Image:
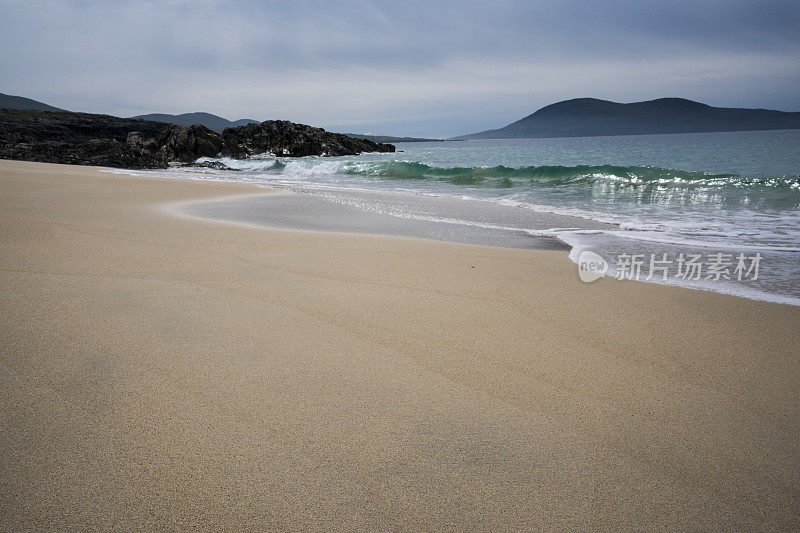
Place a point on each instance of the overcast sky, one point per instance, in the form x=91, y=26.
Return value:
x=406, y=67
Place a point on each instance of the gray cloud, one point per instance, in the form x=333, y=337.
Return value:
x=417, y=68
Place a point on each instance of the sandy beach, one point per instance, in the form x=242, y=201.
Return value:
x=166, y=372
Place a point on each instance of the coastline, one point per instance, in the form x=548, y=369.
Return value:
x=286, y=210
x=473, y=196
x=290, y=211
x=162, y=371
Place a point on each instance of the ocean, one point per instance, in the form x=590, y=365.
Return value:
x=711, y=211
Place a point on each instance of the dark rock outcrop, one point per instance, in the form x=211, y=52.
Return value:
x=287, y=139
x=87, y=139
x=79, y=139
x=188, y=143
x=216, y=165
x=94, y=152
x=74, y=128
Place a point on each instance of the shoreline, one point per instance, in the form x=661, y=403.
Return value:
x=483, y=221
x=287, y=210
x=162, y=371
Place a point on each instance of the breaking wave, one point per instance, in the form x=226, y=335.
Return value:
x=508, y=177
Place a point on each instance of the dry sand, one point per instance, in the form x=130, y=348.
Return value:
x=160, y=372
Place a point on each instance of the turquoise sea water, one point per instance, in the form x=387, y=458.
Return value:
x=734, y=193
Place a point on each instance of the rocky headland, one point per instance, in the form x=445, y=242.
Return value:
x=103, y=140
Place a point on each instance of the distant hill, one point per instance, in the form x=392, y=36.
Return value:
x=212, y=122
x=587, y=117
x=21, y=103
x=391, y=139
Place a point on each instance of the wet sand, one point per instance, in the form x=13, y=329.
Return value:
x=294, y=211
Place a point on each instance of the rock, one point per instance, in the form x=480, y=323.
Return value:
x=86, y=139
x=136, y=142
x=64, y=126
x=283, y=138
x=188, y=143
x=216, y=165
x=95, y=152
x=79, y=139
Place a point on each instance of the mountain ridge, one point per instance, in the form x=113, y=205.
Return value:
x=209, y=120
x=588, y=117
x=392, y=138
x=20, y=103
